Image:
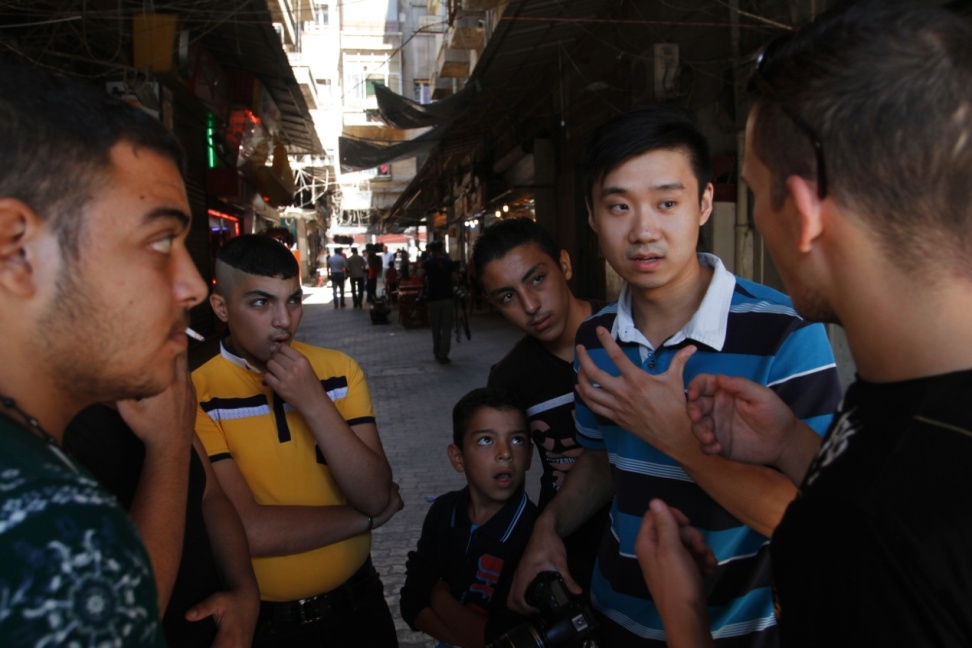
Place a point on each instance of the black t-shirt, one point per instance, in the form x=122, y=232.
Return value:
x=103, y=443
x=544, y=385
x=438, y=277
x=877, y=548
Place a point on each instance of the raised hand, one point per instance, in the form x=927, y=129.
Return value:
x=291, y=376
x=165, y=420
x=652, y=407
x=673, y=556
x=747, y=422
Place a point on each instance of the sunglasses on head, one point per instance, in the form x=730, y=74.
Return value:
x=759, y=82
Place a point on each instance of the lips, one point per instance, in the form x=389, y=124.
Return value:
x=541, y=323
x=642, y=255
x=646, y=262
x=278, y=341
x=503, y=479
x=178, y=333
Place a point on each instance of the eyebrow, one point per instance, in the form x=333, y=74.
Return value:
x=258, y=293
x=161, y=213
x=265, y=295
x=526, y=275
x=668, y=186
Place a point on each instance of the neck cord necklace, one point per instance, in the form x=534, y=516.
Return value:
x=34, y=426
x=32, y=423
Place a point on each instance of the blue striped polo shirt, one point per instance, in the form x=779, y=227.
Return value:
x=743, y=329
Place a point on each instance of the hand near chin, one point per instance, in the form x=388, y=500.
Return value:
x=291, y=376
x=166, y=419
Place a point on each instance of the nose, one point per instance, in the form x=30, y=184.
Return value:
x=645, y=226
x=281, y=315
x=187, y=285
x=503, y=451
x=530, y=303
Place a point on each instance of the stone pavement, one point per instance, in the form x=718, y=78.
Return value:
x=413, y=398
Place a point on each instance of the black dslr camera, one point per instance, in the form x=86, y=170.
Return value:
x=563, y=620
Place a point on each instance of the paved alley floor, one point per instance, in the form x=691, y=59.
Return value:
x=413, y=398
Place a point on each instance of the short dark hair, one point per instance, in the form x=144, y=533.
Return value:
x=259, y=255
x=499, y=238
x=56, y=137
x=659, y=127
x=435, y=246
x=491, y=397
x=887, y=88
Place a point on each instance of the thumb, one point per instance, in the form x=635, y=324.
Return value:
x=201, y=610
x=572, y=586
x=666, y=526
x=677, y=368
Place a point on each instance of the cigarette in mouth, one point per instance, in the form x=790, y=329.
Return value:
x=194, y=335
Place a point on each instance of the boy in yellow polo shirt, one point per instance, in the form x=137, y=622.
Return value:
x=291, y=432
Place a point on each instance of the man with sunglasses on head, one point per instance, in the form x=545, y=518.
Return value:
x=680, y=313
x=859, y=146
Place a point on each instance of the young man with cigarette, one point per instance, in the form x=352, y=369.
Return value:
x=95, y=287
x=291, y=433
x=860, y=205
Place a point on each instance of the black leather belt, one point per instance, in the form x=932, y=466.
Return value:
x=322, y=606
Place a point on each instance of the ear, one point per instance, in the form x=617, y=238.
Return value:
x=218, y=302
x=565, y=264
x=20, y=228
x=529, y=457
x=809, y=209
x=590, y=216
x=705, y=204
x=455, y=458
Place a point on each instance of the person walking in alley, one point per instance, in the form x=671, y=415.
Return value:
x=337, y=270
x=357, y=268
x=439, y=275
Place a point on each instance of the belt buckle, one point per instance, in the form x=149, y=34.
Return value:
x=305, y=615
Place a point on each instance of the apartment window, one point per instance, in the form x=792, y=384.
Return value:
x=321, y=16
x=370, y=83
x=363, y=71
x=421, y=92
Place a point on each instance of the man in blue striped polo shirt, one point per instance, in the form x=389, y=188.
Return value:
x=680, y=313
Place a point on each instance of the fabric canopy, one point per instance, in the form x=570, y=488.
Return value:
x=357, y=154
x=400, y=112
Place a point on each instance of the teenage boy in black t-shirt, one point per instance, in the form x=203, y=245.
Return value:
x=524, y=275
